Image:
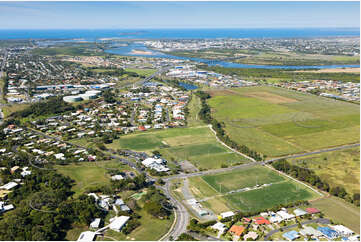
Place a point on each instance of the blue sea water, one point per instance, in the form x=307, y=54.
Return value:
x=178, y=33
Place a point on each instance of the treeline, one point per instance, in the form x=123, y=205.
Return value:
x=45, y=210
x=5, y=86
x=53, y=105
x=309, y=176
x=110, y=71
x=205, y=115
x=261, y=74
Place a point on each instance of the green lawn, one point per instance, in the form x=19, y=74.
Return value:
x=337, y=168
x=276, y=122
x=89, y=174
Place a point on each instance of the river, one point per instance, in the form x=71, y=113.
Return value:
x=127, y=51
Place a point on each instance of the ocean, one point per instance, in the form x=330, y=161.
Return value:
x=89, y=34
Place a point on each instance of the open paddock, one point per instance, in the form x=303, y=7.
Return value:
x=277, y=122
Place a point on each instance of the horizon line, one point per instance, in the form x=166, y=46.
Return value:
x=184, y=28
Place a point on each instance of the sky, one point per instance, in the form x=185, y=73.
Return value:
x=144, y=15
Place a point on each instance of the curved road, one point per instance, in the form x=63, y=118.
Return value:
x=181, y=216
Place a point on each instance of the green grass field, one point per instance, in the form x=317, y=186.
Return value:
x=337, y=168
x=215, y=190
x=276, y=122
x=340, y=211
x=267, y=197
x=241, y=178
x=195, y=144
x=88, y=174
x=142, y=72
x=194, y=107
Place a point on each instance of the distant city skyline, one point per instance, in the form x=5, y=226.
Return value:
x=153, y=15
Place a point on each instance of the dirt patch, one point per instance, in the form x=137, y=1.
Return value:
x=270, y=97
x=187, y=166
x=195, y=191
x=335, y=70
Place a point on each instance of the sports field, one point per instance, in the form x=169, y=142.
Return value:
x=219, y=191
x=195, y=144
x=337, y=168
x=276, y=122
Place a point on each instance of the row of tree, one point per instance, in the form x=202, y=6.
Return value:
x=205, y=115
x=261, y=74
x=310, y=177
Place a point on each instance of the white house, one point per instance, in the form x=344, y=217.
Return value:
x=219, y=226
x=117, y=223
x=9, y=186
x=117, y=177
x=227, y=214
x=342, y=230
x=284, y=215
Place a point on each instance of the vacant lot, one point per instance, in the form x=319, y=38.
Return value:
x=214, y=190
x=276, y=122
x=87, y=174
x=340, y=212
x=195, y=144
x=337, y=168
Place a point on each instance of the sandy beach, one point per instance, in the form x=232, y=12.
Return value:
x=141, y=52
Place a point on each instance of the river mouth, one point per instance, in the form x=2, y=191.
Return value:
x=140, y=50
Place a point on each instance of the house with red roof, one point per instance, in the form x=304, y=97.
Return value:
x=247, y=220
x=261, y=220
x=312, y=210
x=142, y=128
x=236, y=230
